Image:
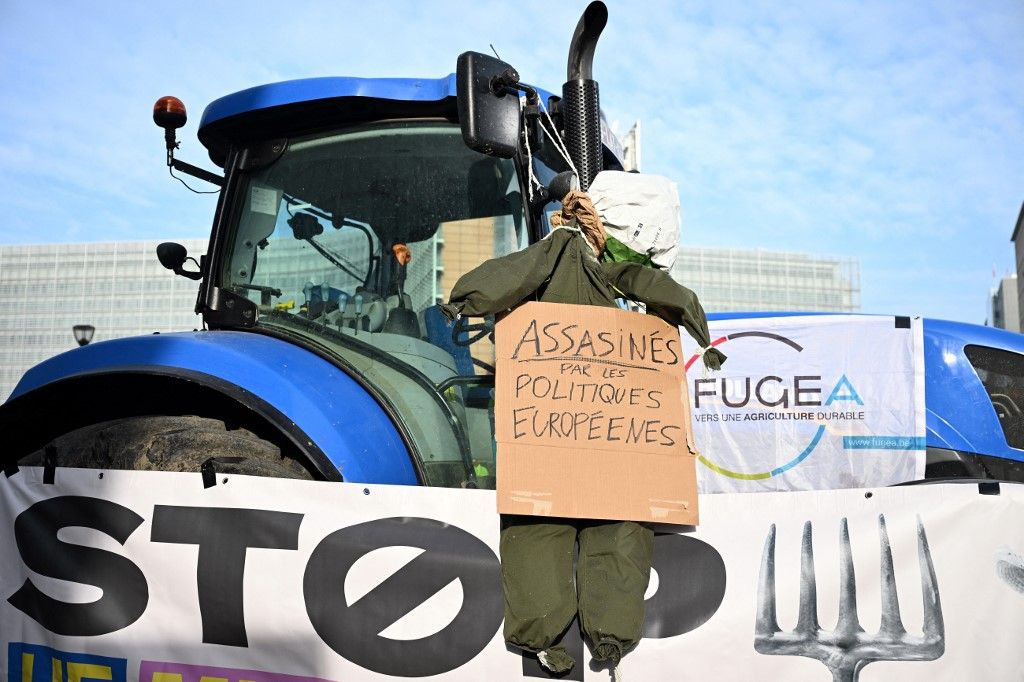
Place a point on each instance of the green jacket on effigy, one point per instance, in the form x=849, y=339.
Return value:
x=563, y=269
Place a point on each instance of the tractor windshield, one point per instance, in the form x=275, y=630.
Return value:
x=351, y=239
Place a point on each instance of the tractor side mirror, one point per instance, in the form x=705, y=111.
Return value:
x=488, y=107
x=173, y=256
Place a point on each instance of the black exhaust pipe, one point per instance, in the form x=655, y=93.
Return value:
x=581, y=105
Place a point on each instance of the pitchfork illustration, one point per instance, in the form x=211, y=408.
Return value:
x=847, y=649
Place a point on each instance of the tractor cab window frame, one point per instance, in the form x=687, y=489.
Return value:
x=1001, y=372
x=315, y=242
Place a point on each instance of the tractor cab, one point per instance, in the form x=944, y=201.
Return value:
x=350, y=207
x=346, y=242
x=346, y=220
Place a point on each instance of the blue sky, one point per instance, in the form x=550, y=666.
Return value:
x=890, y=132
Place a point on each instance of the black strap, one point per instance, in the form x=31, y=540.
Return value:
x=209, y=470
x=49, y=464
x=988, y=488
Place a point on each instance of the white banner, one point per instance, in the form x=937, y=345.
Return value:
x=810, y=403
x=141, y=575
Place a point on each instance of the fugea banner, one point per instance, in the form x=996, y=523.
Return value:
x=810, y=403
x=149, y=576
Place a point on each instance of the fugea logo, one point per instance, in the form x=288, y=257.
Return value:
x=773, y=391
x=771, y=397
x=769, y=390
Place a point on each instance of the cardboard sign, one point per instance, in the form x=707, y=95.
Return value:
x=592, y=418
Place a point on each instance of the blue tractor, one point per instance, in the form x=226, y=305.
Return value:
x=348, y=207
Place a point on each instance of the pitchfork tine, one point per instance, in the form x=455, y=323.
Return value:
x=848, y=624
x=934, y=628
x=767, y=623
x=847, y=649
x=807, y=621
x=892, y=624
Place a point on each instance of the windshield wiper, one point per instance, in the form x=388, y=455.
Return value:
x=335, y=259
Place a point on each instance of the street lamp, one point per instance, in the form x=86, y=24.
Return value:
x=83, y=333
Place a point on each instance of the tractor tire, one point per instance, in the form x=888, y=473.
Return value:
x=162, y=443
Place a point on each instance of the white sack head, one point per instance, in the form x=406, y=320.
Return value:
x=640, y=211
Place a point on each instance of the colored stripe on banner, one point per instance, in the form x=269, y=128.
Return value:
x=766, y=474
x=153, y=671
x=37, y=663
x=883, y=443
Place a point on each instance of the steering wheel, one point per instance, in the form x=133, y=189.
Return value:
x=474, y=332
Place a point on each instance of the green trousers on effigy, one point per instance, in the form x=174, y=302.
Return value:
x=542, y=597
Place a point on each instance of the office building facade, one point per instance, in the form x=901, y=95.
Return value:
x=122, y=290
x=1018, y=244
x=729, y=280
x=1004, y=309
x=117, y=287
